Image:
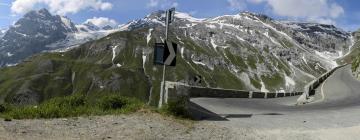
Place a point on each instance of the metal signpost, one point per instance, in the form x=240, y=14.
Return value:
x=165, y=53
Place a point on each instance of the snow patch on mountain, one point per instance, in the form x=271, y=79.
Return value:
x=289, y=81
x=182, y=50
x=188, y=17
x=352, y=40
x=329, y=58
x=246, y=79
x=263, y=87
x=113, y=53
x=2, y=32
x=144, y=60
x=210, y=26
x=9, y=54
x=148, y=38
x=213, y=44
x=67, y=22
x=118, y=65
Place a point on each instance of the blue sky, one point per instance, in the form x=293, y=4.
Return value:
x=342, y=13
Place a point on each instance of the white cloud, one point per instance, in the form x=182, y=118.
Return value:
x=61, y=7
x=324, y=11
x=102, y=21
x=162, y=4
x=153, y=3
x=237, y=4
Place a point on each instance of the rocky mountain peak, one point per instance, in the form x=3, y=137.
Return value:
x=42, y=13
x=32, y=33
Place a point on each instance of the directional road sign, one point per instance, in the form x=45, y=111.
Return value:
x=170, y=54
x=165, y=53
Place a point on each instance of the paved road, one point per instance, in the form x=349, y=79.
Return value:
x=339, y=107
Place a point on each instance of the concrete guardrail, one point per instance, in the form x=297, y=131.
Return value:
x=175, y=89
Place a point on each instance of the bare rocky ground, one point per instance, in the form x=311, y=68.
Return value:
x=152, y=126
x=134, y=126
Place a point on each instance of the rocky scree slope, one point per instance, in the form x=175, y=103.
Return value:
x=245, y=51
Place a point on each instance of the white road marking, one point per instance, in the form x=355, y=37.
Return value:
x=322, y=91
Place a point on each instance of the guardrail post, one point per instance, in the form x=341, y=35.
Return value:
x=250, y=94
x=265, y=95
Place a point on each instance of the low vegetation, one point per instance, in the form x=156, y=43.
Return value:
x=80, y=105
x=73, y=106
x=176, y=108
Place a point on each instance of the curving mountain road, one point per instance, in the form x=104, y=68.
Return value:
x=336, y=105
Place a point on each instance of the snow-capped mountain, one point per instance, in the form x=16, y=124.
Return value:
x=40, y=31
x=262, y=53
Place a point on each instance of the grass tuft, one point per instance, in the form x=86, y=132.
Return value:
x=73, y=106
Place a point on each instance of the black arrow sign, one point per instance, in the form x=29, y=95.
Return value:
x=197, y=79
x=170, y=54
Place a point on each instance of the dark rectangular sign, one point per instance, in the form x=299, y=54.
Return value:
x=159, y=53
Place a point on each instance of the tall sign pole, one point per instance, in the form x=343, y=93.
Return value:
x=169, y=18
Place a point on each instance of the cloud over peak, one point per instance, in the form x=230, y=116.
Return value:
x=162, y=4
x=102, y=21
x=61, y=7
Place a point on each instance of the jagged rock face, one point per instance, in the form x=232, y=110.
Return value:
x=31, y=33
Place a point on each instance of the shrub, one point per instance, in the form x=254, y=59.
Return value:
x=113, y=102
x=2, y=108
x=177, y=107
x=7, y=118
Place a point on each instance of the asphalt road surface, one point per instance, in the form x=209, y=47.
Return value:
x=336, y=105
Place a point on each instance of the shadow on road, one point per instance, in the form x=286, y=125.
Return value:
x=237, y=115
x=199, y=113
